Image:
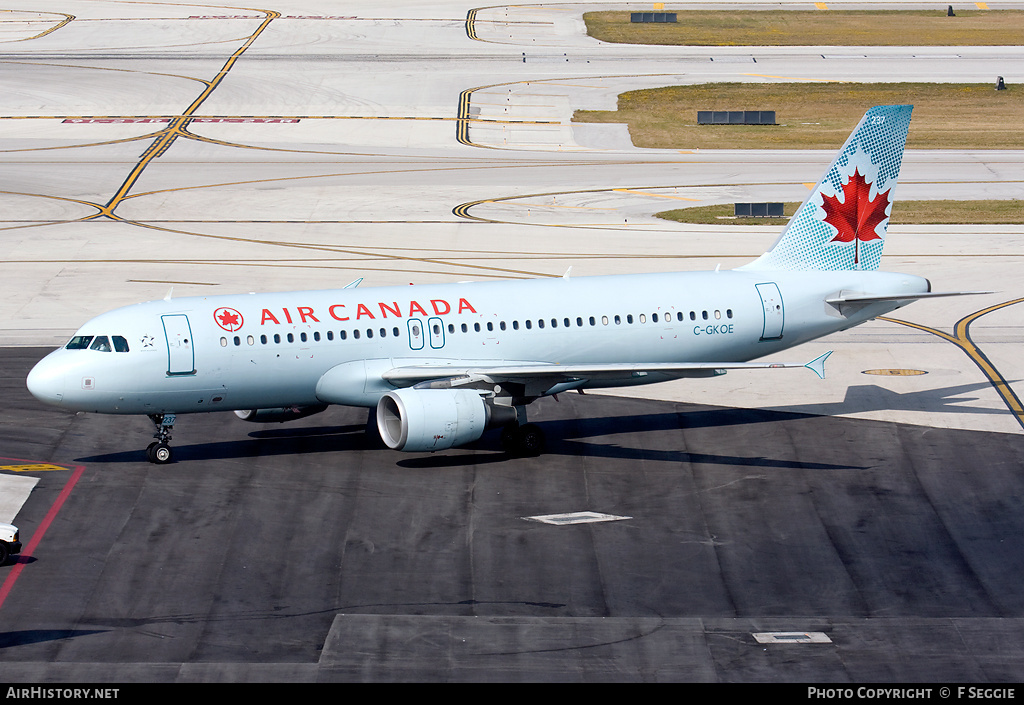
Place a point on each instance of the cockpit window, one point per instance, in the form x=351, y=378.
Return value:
x=101, y=343
x=79, y=342
x=120, y=344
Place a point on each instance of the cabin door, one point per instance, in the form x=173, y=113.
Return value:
x=180, y=356
x=415, y=334
x=774, y=314
x=436, y=332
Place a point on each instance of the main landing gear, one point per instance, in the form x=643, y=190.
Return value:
x=159, y=452
x=526, y=441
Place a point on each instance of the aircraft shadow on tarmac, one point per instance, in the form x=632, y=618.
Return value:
x=871, y=397
x=564, y=436
x=563, y=439
x=37, y=636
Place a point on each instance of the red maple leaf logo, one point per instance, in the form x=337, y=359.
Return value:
x=857, y=216
x=228, y=318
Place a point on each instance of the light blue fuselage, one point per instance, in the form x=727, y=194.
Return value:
x=252, y=351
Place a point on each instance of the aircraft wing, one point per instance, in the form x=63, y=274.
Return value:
x=544, y=376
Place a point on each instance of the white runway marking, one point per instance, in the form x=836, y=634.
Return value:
x=792, y=638
x=575, y=518
x=14, y=492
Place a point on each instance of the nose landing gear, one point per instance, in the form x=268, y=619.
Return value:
x=159, y=451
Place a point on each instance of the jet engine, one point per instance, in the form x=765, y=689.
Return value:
x=417, y=420
x=280, y=414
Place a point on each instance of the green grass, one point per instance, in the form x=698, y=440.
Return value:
x=816, y=28
x=814, y=115
x=989, y=212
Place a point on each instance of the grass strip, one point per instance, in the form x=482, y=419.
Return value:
x=815, y=28
x=818, y=115
x=983, y=212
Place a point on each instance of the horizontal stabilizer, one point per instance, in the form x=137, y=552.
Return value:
x=872, y=298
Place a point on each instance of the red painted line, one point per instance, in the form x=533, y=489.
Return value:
x=22, y=559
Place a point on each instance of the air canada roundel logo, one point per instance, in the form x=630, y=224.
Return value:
x=228, y=318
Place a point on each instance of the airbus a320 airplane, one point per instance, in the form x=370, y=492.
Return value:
x=442, y=363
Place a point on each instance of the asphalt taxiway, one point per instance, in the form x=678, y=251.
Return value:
x=865, y=551
x=748, y=528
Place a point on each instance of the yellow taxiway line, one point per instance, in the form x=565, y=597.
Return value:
x=961, y=337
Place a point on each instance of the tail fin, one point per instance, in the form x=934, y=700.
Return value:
x=842, y=223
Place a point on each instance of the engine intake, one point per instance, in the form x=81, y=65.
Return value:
x=416, y=420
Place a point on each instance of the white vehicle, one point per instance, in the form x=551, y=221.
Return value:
x=442, y=363
x=10, y=543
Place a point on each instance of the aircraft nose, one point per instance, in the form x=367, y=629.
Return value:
x=46, y=381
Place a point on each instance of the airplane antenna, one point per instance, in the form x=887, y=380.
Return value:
x=169, y=292
x=566, y=275
x=354, y=284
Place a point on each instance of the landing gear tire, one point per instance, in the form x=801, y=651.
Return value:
x=526, y=441
x=159, y=453
x=531, y=440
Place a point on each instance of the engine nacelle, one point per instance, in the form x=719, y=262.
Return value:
x=418, y=420
x=281, y=414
